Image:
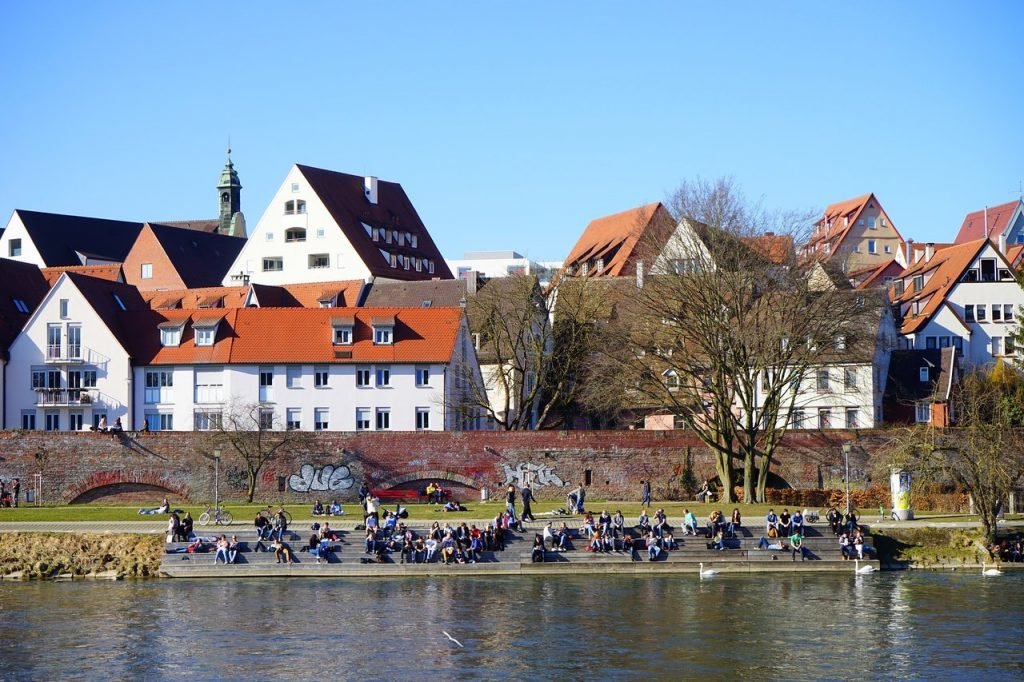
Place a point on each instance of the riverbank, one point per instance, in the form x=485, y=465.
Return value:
x=38, y=556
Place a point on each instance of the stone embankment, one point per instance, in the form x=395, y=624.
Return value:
x=33, y=556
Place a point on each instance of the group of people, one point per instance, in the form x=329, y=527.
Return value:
x=1009, y=550
x=784, y=524
x=116, y=427
x=179, y=528
x=852, y=545
x=9, y=496
x=333, y=510
x=463, y=544
x=840, y=523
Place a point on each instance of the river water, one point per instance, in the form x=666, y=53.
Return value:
x=917, y=625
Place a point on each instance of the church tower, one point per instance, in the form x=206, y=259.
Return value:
x=230, y=192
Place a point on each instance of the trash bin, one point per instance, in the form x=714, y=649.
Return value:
x=484, y=495
x=30, y=495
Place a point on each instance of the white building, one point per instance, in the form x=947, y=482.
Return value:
x=492, y=264
x=323, y=226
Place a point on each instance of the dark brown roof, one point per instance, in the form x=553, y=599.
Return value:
x=211, y=225
x=201, y=259
x=60, y=238
x=904, y=383
x=107, y=299
x=23, y=282
x=343, y=196
x=437, y=293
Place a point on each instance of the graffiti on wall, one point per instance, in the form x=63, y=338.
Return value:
x=321, y=479
x=537, y=475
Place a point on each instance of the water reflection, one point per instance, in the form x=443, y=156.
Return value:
x=881, y=626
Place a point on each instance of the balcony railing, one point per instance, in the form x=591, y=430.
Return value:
x=65, y=397
x=62, y=353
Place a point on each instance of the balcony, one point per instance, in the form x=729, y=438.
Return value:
x=66, y=397
x=60, y=354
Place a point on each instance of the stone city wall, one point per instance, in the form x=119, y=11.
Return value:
x=84, y=467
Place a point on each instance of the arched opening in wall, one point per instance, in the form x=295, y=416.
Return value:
x=462, y=487
x=125, y=493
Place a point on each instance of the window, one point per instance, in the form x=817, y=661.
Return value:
x=944, y=342
x=321, y=417
x=997, y=312
x=887, y=248
x=422, y=418
x=159, y=386
x=15, y=248
x=38, y=378
x=343, y=336
x=1007, y=313
x=320, y=232
x=824, y=418
x=1010, y=347
x=850, y=379
x=20, y=305
x=362, y=376
x=294, y=419
x=785, y=344
x=930, y=342
x=918, y=282
x=320, y=375
x=119, y=302
x=362, y=418
x=797, y=420
x=52, y=421
x=958, y=343
x=384, y=375
x=412, y=241
x=295, y=187
x=922, y=374
x=293, y=378
x=273, y=264
x=997, y=345
x=266, y=377
x=53, y=341
x=156, y=421
x=63, y=308
x=170, y=336
x=209, y=384
x=671, y=381
x=88, y=378
x=980, y=312
x=430, y=266
x=822, y=379
x=988, y=269
x=969, y=313
x=295, y=234
x=206, y=420
x=383, y=418
x=75, y=341
x=422, y=376
x=840, y=343
x=28, y=420
x=270, y=236
x=923, y=412
x=319, y=260
x=872, y=246
x=812, y=345
x=205, y=335
x=266, y=420
x=147, y=271
x=852, y=418
x=382, y=336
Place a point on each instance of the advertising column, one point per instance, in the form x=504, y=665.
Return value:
x=899, y=482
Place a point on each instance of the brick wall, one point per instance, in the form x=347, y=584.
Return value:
x=87, y=465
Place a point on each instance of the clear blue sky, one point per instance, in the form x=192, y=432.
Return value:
x=512, y=125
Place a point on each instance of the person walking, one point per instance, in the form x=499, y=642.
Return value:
x=17, y=490
x=645, y=493
x=510, y=502
x=527, y=495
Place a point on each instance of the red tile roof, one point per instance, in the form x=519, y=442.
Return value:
x=108, y=272
x=230, y=297
x=973, y=226
x=837, y=220
x=298, y=335
x=614, y=239
x=778, y=248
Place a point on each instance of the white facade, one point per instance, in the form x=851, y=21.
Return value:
x=296, y=240
x=493, y=264
x=66, y=368
x=978, y=316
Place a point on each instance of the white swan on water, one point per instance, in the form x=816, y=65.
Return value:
x=857, y=568
x=989, y=571
x=710, y=573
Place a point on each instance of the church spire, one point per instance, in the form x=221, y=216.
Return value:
x=230, y=192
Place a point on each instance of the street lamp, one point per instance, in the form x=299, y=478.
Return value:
x=216, y=479
x=846, y=454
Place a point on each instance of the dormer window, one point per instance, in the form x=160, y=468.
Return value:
x=383, y=331
x=343, y=330
x=20, y=305
x=840, y=343
x=170, y=334
x=119, y=302
x=295, y=234
x=923, y=374
x=412, y=241
x=293, y=207
x=205, y=330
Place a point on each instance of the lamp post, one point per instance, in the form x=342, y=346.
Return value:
x=846, y=454
x=216, y=478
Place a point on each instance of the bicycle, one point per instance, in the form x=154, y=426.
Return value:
x=220, y=516
x=269, y=514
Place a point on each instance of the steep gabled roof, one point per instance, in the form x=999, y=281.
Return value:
x=614, y=239
x=60, y=238
x=292, y=335
x=837, y=220
x=904, y=383
x=109, y=272
x=344, y=197
x=998, y=217
x=778, y=248
x=943, y=271
x=309, y=295
x=109, y=300
x=448, y=293
x=874, y=276
x=23, y=284
x=201, y=259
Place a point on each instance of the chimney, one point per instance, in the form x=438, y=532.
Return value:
x=986, y=222
x=370, y=189
x=1002, y=243
x=639, y=274
x=910, y=252
x=929, y=251
x=471, y=282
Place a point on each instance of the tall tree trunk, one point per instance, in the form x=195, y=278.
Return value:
x=723, y=464
x=762, y=477
x=748, y=477
x=251, y=488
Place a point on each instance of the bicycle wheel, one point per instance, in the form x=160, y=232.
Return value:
x=288, y=517
x=204, y=518
x=225, y=518
x=267, y=514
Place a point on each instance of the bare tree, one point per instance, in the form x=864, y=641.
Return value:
x=983, y=453
x=256, y=437
x=529, y=362
x=725, y=330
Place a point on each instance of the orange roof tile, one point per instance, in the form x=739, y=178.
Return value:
x=614, y=239
x=310, y=295
x=231, y=297
x=111, y=273
x=778, y=248
x=974, y=223
x=837, y=220
x=944, y=271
